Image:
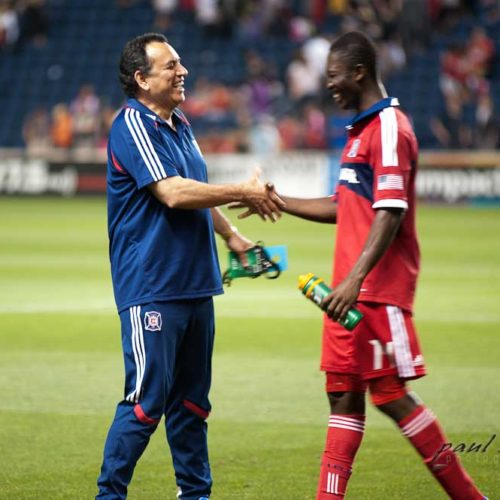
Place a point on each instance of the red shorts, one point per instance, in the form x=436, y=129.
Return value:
x=384, y=343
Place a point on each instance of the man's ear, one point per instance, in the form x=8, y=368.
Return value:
x=359, y=72
x=141, y=81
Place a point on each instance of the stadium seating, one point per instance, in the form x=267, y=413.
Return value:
x=86, y=37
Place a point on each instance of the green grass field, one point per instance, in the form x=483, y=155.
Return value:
x=61, y=365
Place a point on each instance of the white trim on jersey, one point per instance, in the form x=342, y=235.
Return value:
x=139, y=144
x=390, y=203
x=399, y=334
x=419, y=423
x=389, y=137
x=143, y=144
x=163, y=174
x=137, y=342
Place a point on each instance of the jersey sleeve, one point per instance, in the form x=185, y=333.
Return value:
x=141, y=150
x=391, y=158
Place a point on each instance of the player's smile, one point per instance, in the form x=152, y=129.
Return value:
x=337, y=96
x=341, y=98
x=179, y=86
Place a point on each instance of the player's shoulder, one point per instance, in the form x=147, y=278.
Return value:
x=392, y=120
x=404, y=123
x=133, y=121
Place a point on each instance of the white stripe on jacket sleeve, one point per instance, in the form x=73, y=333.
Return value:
x=149, y=144
x=141, y=145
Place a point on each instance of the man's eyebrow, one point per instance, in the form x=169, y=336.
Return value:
x=174, y=60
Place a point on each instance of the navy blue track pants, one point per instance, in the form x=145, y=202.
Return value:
x=167, y=349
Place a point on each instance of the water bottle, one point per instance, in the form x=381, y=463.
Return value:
x=316, y=289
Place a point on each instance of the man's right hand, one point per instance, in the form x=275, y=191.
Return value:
x=260, y=199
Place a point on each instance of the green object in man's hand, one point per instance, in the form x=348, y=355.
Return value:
x=259, y=262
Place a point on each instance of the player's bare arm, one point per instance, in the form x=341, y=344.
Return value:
x=381, y=235
x=235, y=241
x=313, y=209
x=178, y=192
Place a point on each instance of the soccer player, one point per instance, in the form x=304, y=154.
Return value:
x=161, y=222
x=376, y=266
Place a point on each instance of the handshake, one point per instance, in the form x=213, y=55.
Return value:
x=259, y=198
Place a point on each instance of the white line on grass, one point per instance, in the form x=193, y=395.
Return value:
x=241, y=311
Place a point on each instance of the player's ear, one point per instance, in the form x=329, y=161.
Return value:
x=141, y=81
x=359, y=72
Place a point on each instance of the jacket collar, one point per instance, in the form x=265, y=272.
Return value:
x=376, y=108
x=135, y=104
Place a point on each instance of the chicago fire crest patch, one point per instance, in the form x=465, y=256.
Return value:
x=152, y=321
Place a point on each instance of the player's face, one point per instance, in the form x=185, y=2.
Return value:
x=166, y=77
x=342, y=82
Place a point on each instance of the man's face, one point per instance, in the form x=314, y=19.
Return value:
x=342, y=82
x=166, y=76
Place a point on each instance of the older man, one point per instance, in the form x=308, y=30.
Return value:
x=164, y=265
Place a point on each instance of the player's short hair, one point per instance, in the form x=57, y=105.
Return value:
x=357, y=48
x=134, y=58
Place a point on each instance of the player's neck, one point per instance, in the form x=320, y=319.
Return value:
x=372, y=94
x=164, y=112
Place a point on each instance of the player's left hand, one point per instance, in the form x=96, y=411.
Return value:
x=239, y=244
x=343, y=297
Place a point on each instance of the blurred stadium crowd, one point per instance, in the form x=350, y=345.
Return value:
x=257, y=68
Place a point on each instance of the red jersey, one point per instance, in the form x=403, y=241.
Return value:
x=378, y=169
